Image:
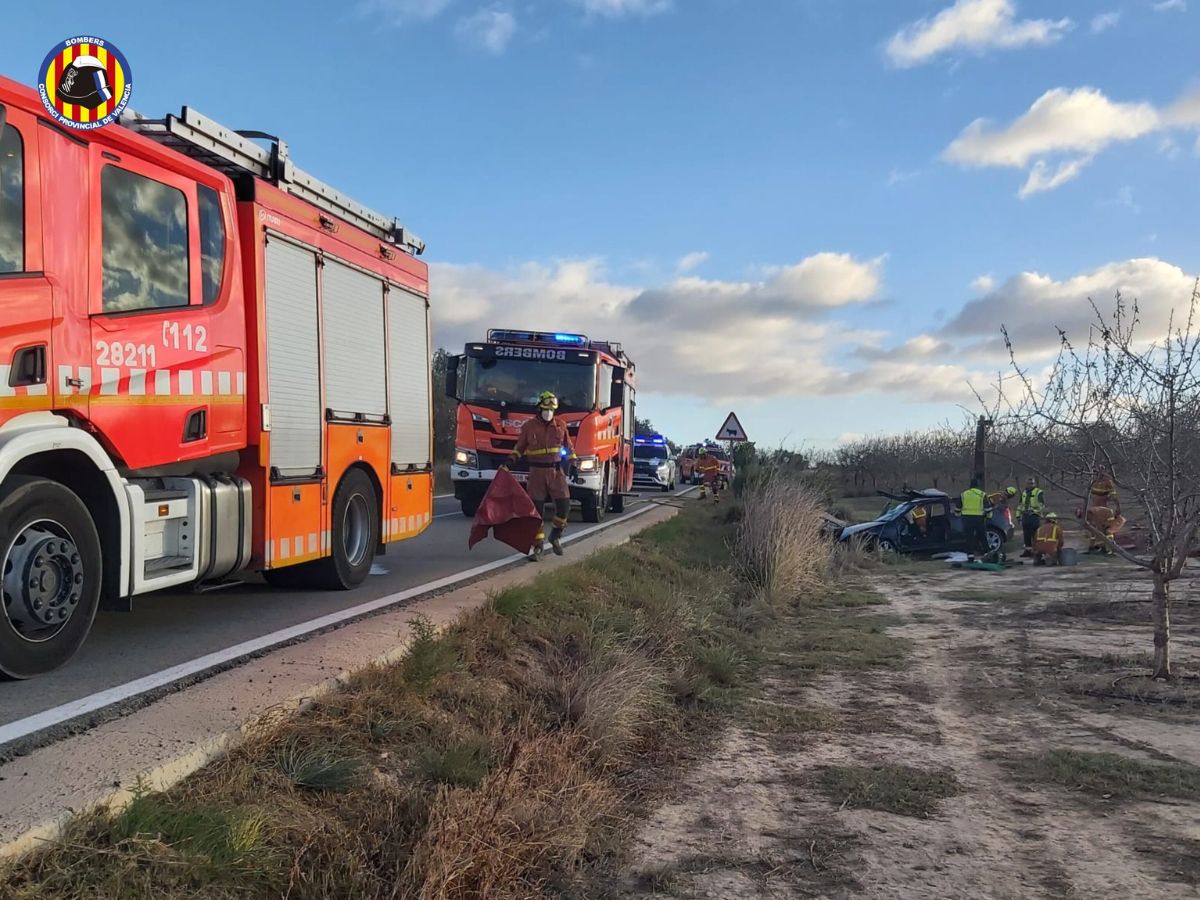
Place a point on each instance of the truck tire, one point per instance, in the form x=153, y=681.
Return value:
x=50, y=574
x=353, y=537
x=616, y=503
x=470, y=508
x=353, y=534
x=593, y=507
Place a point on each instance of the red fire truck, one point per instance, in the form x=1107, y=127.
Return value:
x=497, y=383
x=210, y=361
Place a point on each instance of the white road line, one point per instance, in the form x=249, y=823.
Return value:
x=123, y=692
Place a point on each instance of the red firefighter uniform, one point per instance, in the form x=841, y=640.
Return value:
x=1048, y=544
x=1103, y=491
x=709, y=468
x=542, y=444
x=545, y=442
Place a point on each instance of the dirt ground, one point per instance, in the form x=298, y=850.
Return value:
x=930, y=779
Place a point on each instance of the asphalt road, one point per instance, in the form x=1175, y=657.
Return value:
x=171, y=628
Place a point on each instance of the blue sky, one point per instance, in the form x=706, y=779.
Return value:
x=762, y=199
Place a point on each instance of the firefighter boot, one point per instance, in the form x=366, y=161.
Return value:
x=703, y=490
x=556, y=534
x=539, y=547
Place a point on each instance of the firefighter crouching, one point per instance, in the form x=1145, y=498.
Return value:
x=542, y=442
x=709, y=468
x=1048, y=542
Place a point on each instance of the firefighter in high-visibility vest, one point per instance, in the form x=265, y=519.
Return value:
x=709, y=468
x=1033, y=501
x=974, y=505
x=1048, y=542
x=545, y=443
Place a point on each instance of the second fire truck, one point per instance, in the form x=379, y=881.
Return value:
x=497, y=383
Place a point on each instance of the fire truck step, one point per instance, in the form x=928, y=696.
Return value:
x=163, y=563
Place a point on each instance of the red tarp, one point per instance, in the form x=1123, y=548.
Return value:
x=508, y=513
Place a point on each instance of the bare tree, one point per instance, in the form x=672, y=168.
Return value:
x=1127, y=403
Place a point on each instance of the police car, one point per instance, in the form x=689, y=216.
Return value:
x=653, y=465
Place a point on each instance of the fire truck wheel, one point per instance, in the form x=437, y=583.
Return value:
x=354, y=534
x=616, y=503
x=50, y=565
x=594, y=506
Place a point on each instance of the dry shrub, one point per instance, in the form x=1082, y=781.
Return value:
x=778, y=546
x=533, y=816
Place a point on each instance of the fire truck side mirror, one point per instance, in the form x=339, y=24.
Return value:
x=452, y=377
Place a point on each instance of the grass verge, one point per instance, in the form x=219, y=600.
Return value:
x=901, y=790
x=1110, y=776
x=490, y=761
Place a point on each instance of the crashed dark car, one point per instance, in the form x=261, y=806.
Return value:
x=896, y=530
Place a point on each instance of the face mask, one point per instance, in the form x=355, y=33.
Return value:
x=547, y=415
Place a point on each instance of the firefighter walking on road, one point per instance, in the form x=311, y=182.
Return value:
x=545, y=442
x=974, y=503
x=1033, y=502
x=709, y=468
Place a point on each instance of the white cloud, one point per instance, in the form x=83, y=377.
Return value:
x=1105, y=21
x=1061, y=120
x=983, y=284
x=1171, y=6
x=613, y=9
x=713, y=339
x=1041, y=178
x=1063, y=130
x=488, y=29
x=402, y=12
x=975, y=25
x=692, y=261
x=1032, y=305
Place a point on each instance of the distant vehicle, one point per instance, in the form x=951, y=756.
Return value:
x=896, y=530
x=653, y=465
x=687, y=463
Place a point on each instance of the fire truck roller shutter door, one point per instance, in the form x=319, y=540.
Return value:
x=355, y=379
x=408, y=346
x=293, y=379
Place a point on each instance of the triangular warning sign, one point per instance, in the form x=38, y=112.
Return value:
x=732, y=430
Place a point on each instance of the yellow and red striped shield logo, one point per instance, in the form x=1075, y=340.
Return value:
x=85, y=82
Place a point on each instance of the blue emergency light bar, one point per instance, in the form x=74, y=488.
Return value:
x=538, y=337
x=654, y=439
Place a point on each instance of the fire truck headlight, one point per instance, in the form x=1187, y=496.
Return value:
x=588, y=464
x=466, y=458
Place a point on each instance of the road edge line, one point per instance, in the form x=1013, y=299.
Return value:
x=164, y=775
x=24, y=728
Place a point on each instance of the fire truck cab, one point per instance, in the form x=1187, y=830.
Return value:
x=497, y=382
x=210, y=361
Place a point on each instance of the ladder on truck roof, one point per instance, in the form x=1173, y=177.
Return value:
x=234, y=153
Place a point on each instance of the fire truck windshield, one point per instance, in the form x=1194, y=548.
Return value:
x=517, y=383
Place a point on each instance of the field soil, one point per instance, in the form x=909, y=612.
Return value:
x=1017, y=750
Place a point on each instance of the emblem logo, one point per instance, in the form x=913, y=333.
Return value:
x=85, y=83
